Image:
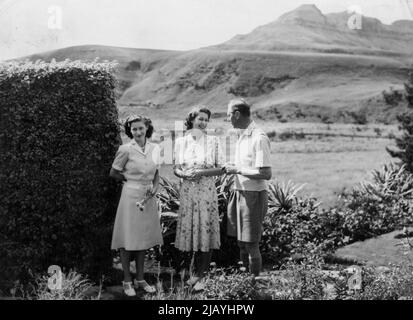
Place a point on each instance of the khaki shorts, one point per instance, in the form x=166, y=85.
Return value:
x=246, y=212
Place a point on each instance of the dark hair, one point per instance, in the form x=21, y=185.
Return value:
x=132, y=119
x=242, y=106
x=195, y=113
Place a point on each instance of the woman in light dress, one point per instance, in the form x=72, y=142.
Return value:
x=198, y=157
x=137, y=228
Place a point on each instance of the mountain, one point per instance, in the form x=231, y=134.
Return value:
x=308, y=29
x=304, y=66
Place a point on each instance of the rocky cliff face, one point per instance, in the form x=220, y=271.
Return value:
x=308, y=29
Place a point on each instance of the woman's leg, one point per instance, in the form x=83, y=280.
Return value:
x=125, y=260
x=202, y=260
x=140, y=263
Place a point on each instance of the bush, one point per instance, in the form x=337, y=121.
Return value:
x=230, y=285
x=381, y=206
x=58, y=140
x=360, y=117
x=393, y=97
x=299, y=229
x=405, y=143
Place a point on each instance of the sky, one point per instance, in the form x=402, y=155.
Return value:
x=31, y=26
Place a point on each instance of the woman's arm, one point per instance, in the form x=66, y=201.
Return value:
x=117, y=175
x=155, y=182
x=210, y=172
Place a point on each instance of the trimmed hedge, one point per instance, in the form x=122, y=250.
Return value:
x=59, y=135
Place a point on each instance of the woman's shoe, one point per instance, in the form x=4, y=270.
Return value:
x=192, y=281
x=128, y=289
x=199, y=286
x=145, y=286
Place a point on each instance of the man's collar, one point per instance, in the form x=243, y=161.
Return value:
x=248, y=131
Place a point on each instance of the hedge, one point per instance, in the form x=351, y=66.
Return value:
x=59, y=135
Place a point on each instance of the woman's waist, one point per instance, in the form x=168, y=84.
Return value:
x=138, y=184
x=201, y=180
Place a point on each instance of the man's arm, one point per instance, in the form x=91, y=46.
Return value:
x=255, y=174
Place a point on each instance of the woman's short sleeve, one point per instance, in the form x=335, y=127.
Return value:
x=121, y=158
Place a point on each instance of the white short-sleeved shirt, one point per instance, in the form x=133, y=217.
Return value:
x=203, y=152
x=252, y=151
x=136, y=165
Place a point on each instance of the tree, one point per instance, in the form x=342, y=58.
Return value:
x=404, y=142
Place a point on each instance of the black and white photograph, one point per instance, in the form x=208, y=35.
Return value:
x=216, y=151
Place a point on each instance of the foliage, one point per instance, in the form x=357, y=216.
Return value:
x=304, y=280
x=360, y=117
x=281, y=196
x=294, y=226
x=75, y=286
x=394, y=283
x=405, y=143
x=230, y=284
x=393, y=97
x=58, y=140
x=381, y=206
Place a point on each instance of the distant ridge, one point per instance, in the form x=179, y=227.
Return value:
x=304, y=66
x=308, y=29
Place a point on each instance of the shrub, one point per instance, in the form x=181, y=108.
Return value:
x=360, y=117
x=396, y=283
x=405, y=143
x=299, y=281
x=380, y=206
x=58, y=140
x=230, y=284
x=297, y=226
x=393, y=97
x=74, y=287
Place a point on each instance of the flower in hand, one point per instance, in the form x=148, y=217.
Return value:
x=151, y=192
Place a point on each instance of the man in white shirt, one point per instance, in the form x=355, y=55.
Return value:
x=248, y=202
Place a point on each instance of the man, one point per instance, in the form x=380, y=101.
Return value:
x=248, y=202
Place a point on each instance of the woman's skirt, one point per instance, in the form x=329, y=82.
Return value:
x=136, y=229
x=198, y=220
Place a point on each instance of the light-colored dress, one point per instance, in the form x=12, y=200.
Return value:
x=198, y=219
x=135, y=229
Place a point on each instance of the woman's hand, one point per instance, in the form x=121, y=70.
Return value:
x=152, y=191
x=193, y=174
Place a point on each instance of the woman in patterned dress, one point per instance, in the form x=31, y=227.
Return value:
x=198, y=158
x=137, y=228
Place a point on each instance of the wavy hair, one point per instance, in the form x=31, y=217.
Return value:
x=134, y=118
x=195, y=113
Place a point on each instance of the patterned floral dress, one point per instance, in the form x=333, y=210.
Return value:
x=198, y=219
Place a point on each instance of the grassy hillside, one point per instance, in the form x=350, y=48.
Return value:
x=284, y=86
x=293, y=85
